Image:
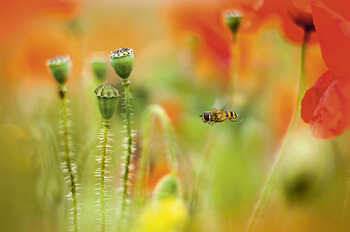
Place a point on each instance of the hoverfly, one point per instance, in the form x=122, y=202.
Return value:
x=215, y=116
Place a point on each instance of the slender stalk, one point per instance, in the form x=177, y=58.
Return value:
x=128, y=143
x=280, y=154
x=234, y=69
x=103, y=173
x=68, y=166
x=210, y=141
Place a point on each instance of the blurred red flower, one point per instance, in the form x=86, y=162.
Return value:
x=27, y=60
x=294, y=15
x=326, y=105
x=16, y=14
x=203, y=19
x=156, y=172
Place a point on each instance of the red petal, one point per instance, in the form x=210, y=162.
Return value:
x=333, y=31
x=313, y=95
x=339, y=6
x=303, y=5
x=326, y=106
x=293, y=14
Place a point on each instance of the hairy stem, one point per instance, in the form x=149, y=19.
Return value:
x=102, y=172
x=128, y=143
x=276, y=164
x=69, y=167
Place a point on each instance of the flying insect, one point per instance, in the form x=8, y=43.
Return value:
x=216, y=116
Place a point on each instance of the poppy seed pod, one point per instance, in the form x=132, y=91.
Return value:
x=122, y=60
x=232, y=19
x=167, y=187
x=107, y=99
x=99, y=69
x=60, y=67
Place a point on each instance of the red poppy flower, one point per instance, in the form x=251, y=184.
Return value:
x=326, y=105
x=295, y=16
x=203, y=19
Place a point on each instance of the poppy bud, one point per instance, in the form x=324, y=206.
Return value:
x=232, y=19
x=122, y=60
x=60, y=67
x=99, y=69
x=107, y=99
x=167, y=187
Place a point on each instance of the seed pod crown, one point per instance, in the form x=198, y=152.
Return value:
x=106, y=95
x=122, y=61
x=60, y=67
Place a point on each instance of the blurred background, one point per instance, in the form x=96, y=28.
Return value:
x=183, y=63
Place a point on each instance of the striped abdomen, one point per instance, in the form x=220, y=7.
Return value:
x=231, y=115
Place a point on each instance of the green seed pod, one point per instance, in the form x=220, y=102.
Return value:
x=107, y=99
x=167, y=187
x=99, y=69
x=60, y=67
x=122, y=60
x=233, y=18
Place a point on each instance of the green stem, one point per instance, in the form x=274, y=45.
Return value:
x=69, y=166
x=275, y=167
x=155, y=110
x=234, y=50
x=128, y=147
x=103, y=161
x=234, y=36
